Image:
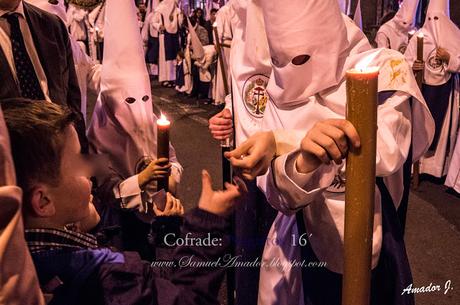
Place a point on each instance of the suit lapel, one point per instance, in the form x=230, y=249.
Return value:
x=46, y=47
x=9, y=87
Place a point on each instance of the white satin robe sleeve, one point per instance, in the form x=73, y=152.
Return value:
x=454, y=63
x=287, y=193
x=130, y=194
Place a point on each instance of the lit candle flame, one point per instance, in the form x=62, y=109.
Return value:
x=420, y=35
x=163, y=121
x=363, y=65
x=214, y=24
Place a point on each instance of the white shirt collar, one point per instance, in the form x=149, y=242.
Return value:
x=19, y=10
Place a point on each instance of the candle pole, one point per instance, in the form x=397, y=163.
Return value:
x=225, y=144
x=221, y=59
x=163, y=126
x=360, y=186
x=419, y=78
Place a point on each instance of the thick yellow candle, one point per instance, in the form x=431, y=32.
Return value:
x=163, y=146
x=420, y=38
x=419, y=74
x=362, y=103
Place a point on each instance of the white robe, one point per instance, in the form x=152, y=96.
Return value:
x=223, y=20
x=249, y=65
x=453, y=173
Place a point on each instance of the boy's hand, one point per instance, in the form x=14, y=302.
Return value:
x=327, y=141
x=418, y=65
x=254, y=156
x=173, y=207
x=443, y=55
x=221, y=125
x=219, y=202
x=157, y=169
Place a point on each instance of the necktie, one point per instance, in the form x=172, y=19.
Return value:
x=28, y=81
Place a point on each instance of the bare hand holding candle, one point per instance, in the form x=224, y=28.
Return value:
x=163, y=126
x=362, y=85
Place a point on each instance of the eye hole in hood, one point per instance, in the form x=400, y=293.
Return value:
x=145, y=98
x=300, y=60
x=130, y=100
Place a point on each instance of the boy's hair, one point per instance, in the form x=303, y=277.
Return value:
x=180, y=53
x=36, y=131
x=214, y=10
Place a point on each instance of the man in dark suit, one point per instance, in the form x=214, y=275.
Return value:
x=36, y=58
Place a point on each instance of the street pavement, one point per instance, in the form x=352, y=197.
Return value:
x=433, y=221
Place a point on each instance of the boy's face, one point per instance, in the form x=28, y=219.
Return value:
x=213, y=17
x=71, y=197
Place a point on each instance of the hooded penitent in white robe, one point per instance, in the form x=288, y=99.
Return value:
x=394, y=33
x=18, y=281
x=224, y=28
x=167, y=14
x=250, y=68
x=302, y=95
x=440, y=84
x=95, y=25
x=123, y=126
x=88, y=71
x=150, y=38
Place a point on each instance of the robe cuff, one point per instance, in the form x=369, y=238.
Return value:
x=129, y=192
x=287, y=140
x=299, y=190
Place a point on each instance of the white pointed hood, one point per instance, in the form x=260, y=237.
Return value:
x=439, y=6
x=57, y=9
x=198, y=50
x=405, y=17
x=301, y=27
x=358, y=18
x=123, y=123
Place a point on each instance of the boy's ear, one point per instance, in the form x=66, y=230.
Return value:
x=41, y=203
